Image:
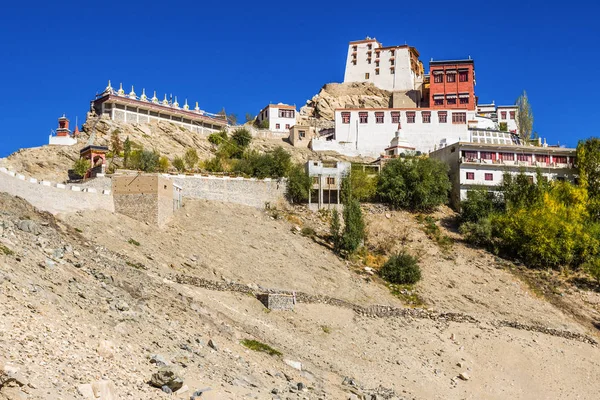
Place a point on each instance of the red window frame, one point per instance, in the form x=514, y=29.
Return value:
x=426, y=117
x=450, y=78
x=379, y=117
x=487, y=155
x=443, y=117
x=470, y=155
x=439, y=78
x=489, y=176
x=503, y=114
x=410, y=117
x=395, y=117
x=463, y=76
x=507, y=156
x=512, y=115
x=471, y=176
x=345, y=118
x=363, y=117
x=459, y=118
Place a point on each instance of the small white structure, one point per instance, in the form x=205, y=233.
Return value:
x=281, y=117
x=477, y=165
x=500, y=115
x=399, y=145
x=63, y=136
x=393, y=68
x=326, y=183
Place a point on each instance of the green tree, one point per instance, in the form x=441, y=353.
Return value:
x=524, y=117
x=364, y=186
x=414, y=183
x=241, y=137
x=354, y=226
x=81, y=166
x=179, y=164
x=282, y=162
x=298, y=184
x=334, y=230
x=588, y=169
x=480, y=204
x=264, y=124
x=126, y=151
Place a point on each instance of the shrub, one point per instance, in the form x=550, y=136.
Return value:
x=417, y=184
x=258, y=346
x=163, y=164
x=401, y=268
x=144, y=160
x=126, y=151
x=479, y=233
x=241, y=137
x=217, y=138
x=214, y=165
x=298, y=184
x=133, y=242
x=5, y=250
x=264, y=124
x=334, y=229
x=81, y=166
x=592, y=267
x=179, y=164
x=308, y=231
x=479, y=204
x=191, y=158
x=276, y=164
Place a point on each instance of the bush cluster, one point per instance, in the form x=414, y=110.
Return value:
x=402, y=269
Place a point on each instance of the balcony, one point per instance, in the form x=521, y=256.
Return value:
x=513, y=163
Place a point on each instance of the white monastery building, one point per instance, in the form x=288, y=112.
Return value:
x=393, y=68
x=281, y=117
x=479, y=165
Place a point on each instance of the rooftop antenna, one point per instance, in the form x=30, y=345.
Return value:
x=469, y=57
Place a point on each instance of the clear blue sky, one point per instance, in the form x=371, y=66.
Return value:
x=239, y=55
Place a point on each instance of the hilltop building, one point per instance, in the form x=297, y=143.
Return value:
x=433, y=110
x=131, y=108
x=393, y=68
x=63, y=135
x=280, y=117
x=482, y=165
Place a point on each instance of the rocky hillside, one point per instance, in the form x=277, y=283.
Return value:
x=344, y=95
x=99, y=302
x=53, y=162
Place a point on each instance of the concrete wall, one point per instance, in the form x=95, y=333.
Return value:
x=146, y=198
x=249, y=192
x=52, y=197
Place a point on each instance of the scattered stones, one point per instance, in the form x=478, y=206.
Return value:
x=213, y=345
x=464, y=376
x=100, y=390
x=198, y=393
x=166, y=376
x=106, y=349
x=301, y=386
x=29, y=226
x=122, y=306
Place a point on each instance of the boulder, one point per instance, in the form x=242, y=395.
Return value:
x=166, y=376
x=27, y=225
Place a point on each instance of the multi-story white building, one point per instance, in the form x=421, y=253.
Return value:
x=393, y=68
x=281, y=117
x=326, y=183
x=369, y=131
x=478, y=165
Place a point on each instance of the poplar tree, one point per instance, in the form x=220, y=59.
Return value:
x=524, y=117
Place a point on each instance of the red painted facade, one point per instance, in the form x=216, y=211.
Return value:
x=63, y=127
x=452, y=84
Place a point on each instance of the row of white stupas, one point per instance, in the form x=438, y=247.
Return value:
x=110, y=90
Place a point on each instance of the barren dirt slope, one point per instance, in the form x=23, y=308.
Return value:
x=80, y=282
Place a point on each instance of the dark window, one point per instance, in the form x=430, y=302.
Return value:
x=410, y=117
x=459, y=118
x=512, y=115
x=363, y=117
x=439, y=78
x=470, y=175
x=395, y=117
x=464, y=100
x=463, y=76
x=489, y=177
x=379, y=118
x=443, y=117
x=438, y=102
x=450, y=77
x=426, y=115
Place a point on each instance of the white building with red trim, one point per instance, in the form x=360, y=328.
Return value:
x=280, y=117
x=482, y=165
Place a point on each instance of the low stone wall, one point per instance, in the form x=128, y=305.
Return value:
x=54, y=197
x=249, y=192
x=276, y=301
